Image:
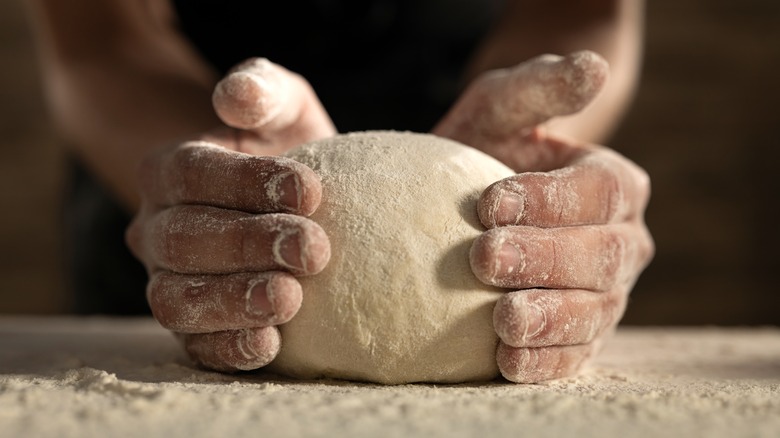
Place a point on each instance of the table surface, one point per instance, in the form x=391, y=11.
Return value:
x=86, y=377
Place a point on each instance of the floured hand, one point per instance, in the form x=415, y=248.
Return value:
x=222, y=228
x=566, y=233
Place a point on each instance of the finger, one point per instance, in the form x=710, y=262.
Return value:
x=210, y=303
x=503, y=104
x=206, y=174
x=592, y=258
x=533, y=365
x=599, y=187
x=206, y=240
x=541, y=318
x=271, y=101
x=234, y=350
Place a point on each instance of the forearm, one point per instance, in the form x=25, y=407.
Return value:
x=119, y=84
x=612, y=28
x=126, y=113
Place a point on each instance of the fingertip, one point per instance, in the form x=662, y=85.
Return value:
x=160, y=296
x=496, y=259
x=303, y=248
x=303, y=190
x=564, y=85
x=513, y=364
x=247, y=100
x=534, y=365
x=482, y=257
x=487, y=205
x=284, y=295
x=501, y=204
x=134, y=237
x=588, y=61
x=256, y=348
x=518, y=322
x=586, y=73
x=317, y=249
x=235, y=350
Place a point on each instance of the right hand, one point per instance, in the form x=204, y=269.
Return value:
x=565, y=235
x=222, y=228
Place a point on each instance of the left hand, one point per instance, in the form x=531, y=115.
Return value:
x=223, y=228
x=567, y=232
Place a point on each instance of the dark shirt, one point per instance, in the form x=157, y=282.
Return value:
x=375, y=64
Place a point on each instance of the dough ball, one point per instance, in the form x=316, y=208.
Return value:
x=398, y=302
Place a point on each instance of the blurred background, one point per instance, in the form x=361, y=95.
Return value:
x=704, y=124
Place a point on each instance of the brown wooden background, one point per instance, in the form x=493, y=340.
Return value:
x=705, y=125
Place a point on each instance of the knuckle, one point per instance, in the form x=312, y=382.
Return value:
x=642, y=181
x=612, y=310
x=168, y=243
x=646, y=246
x=177, y=301
x=134, y=237
x=173, y=237
x=642, y=184
x=179, y=170
x=184, y=159
x=156, y=297
x=613, y=259
x=246, y=245
x=613, y=193
x=186, y=162
x=183, y=155
x=571, y=312
x=201, y=348
x=486, y=82
x=146, y=172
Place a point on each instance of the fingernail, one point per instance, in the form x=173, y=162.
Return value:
x=284, y=190
x=509, y=260
x=287, y=250
x=535, y=321
x=289, y=191
x=509, y=209
x=258, y=299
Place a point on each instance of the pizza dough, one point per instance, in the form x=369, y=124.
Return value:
x=397, y=302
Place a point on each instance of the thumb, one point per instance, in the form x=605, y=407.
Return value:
x=503, y=105
x=275, y=104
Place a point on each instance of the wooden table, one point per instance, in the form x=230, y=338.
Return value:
x=127, y=377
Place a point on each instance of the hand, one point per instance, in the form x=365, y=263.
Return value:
x=222, y=228
x=566, y=233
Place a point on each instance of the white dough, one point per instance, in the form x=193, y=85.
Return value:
x=397, y=302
